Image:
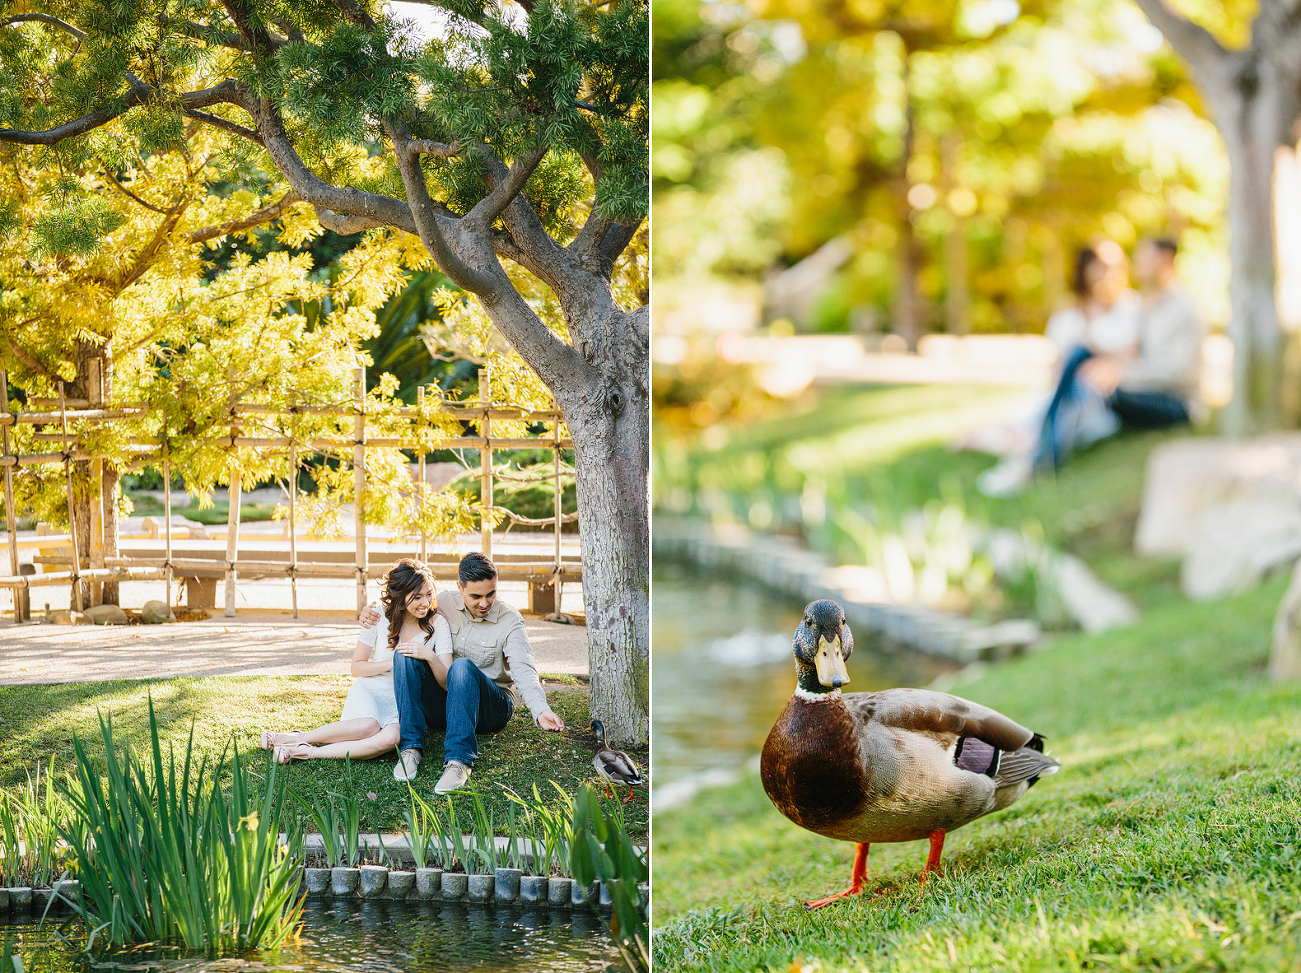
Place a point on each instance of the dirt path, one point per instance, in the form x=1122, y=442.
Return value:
x=257, y=643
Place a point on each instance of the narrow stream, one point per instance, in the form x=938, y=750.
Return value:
x=723, y=669
x=368, y=937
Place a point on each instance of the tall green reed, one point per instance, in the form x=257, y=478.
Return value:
x=549, y=827
x=421, y=829
x=601, y=849
x=29, y=832
x=164, y=853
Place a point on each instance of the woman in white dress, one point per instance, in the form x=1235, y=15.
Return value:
x=1104, y=319
x=368, y=725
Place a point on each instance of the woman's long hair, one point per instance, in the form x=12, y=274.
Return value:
x=404, y=581
x=1081, y=286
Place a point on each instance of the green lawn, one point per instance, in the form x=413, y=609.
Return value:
x=146, y=505
x=1169, y=841
x=38, y=723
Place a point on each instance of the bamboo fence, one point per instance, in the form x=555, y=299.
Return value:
x=98, y=568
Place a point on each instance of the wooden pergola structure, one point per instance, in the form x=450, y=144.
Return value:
x=418, y=437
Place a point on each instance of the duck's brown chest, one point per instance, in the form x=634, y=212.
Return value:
x=811, y=765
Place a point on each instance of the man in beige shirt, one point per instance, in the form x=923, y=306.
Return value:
x=468, y=691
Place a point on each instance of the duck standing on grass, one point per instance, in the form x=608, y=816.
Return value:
x=614, y=766
x=895, y=765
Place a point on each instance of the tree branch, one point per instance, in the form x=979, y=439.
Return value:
x=216, y=121
x=258, y=217
x=250, y=26
x=31, y=361
x=47, y=20
x=354, y=13
x=426, y=219
x=130, y=195
x=204, y=32
x=526, y=233
x=437, y=149
x=225, y=93
x=506, y=189
x=615, y=242
x=1193, y=43
x=311, y=188
x=344, y=223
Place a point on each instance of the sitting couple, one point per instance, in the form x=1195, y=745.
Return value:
x=1125, y=360
x=420, y=664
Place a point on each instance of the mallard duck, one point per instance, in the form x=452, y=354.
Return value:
x=895, y=765
x=614, y=766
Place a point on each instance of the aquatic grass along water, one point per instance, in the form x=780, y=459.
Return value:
x=550, y=826
x=601, y=850
x=30, y=851
x=337, y=817
x=165, y=853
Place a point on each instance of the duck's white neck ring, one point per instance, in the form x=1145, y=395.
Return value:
x=809, y=697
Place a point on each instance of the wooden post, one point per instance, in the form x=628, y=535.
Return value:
x=72, y=513
x=96, y=394
x=232, y=515
x=557, y=571
x=293, y=495
x=359, y=480
x=420, y=438
x=11, y=516
x=485, y=466
x=167, y=526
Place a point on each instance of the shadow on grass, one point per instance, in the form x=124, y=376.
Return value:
x=38, y=723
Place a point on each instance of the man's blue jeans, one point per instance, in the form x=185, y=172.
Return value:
x=471, y=702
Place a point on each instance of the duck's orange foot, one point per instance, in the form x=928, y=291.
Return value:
x=856, y=879
x=819, y=903
x=631, y=792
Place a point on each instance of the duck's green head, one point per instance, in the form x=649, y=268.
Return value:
x=822, y=644
x=598, y=729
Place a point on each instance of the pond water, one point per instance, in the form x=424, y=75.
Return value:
x=372, y=937
x=723, y=669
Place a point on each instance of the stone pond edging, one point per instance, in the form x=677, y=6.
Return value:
x=787, y=565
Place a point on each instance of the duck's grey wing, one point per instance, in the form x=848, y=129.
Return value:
x=928, y=711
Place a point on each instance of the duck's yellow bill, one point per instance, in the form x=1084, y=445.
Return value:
x=831, y=664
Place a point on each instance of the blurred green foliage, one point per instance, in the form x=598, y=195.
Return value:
x=1023, y=129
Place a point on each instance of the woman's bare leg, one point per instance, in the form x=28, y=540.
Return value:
x=344, y=731
x=383, y=741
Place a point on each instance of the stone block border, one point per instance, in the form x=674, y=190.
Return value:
x=22, y=901
x=504, y=885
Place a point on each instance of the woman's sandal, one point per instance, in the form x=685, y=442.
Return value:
x=286, y=752
x=269, y=741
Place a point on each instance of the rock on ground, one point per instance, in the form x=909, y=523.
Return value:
x=1230, y=508
x=155, y=613
x=106, y=615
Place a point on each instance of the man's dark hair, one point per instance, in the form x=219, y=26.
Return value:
x=476, y=567
x=1168, y=244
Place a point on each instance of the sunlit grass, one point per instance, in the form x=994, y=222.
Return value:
x=38, y=722
x=1169, y=841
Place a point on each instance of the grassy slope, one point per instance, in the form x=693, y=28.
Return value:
x=1169, y=841
x=37, y=723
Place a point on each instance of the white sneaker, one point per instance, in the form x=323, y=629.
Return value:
x=1007, y=479
x=406, y=766
x=455, y=774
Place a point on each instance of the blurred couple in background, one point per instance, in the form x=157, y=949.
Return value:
x=1126, y=359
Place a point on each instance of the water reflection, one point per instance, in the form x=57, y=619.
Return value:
x=723, y=670
x=373, y=937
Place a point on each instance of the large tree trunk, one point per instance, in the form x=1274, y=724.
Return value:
x=1255, y=95
x=1254, y=118
x=611, y=461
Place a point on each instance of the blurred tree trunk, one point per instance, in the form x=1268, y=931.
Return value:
x=1255, y=96
x=957, y=298
x=907, y=302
